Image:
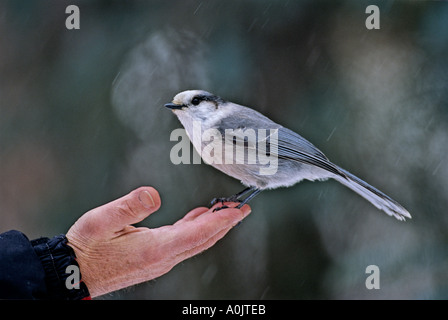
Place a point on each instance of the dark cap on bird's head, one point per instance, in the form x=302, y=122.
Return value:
x=190, y=98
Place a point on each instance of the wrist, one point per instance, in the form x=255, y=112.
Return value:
x=62, y=274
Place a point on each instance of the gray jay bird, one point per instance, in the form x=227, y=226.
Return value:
x=217, y=127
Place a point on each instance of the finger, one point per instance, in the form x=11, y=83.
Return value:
x=129, y=209
x=225, y=204
x=193, y=214
x=206, y=245
x=199, y=231
x=210, y=242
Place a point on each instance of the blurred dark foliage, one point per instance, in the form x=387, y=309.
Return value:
x=82, y=122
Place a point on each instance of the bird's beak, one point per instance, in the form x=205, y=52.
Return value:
x=174, y=106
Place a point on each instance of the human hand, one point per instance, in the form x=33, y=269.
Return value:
x=112, y=254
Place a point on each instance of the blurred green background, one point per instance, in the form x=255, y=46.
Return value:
x=82, y=123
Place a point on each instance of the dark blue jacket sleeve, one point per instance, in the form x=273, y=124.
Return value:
x=36, y=269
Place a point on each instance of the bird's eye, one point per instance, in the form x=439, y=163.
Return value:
x=195, y=101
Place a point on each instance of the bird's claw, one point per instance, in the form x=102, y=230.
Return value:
x=222, y=200
x=220, y=208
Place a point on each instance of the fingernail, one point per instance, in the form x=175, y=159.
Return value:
x=246, y=210
x=146, y=199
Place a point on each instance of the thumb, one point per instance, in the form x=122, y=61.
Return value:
x=135, y=206
x=129, y=209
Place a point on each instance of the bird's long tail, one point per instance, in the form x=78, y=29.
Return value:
x=376, y=197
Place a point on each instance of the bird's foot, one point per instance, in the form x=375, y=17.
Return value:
x=222, y=200
x=220, y=208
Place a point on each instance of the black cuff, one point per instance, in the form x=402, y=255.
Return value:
x=62, y=275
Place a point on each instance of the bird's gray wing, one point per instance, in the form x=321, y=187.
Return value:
x=288, y=144
x=240, y=125
x=292, y=146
